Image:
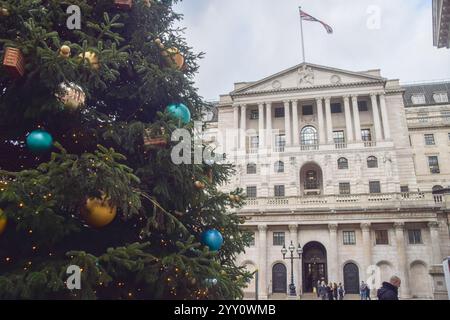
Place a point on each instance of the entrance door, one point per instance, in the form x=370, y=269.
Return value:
x=279, y=278
x=351, y=278
x=313, y=272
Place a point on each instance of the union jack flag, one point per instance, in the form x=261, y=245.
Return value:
x=307, y=17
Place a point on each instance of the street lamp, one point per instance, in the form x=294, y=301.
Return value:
x=291, y=248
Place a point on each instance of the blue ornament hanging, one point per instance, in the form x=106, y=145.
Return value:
x=39, y=141
x=212, y=239
x=179, y=111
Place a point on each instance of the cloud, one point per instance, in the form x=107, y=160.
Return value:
x=246, y=40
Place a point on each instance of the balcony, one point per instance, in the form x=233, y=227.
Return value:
x=309, y=147
x=370, y=144
x=356, y=201
x=340, y=145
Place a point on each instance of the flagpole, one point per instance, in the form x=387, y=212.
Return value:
x=301, y=32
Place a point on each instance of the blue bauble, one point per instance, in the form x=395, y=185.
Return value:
x=212, y=239
x=179, y=111
x=39, y=141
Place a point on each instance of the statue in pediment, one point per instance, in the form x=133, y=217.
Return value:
x=306, y=76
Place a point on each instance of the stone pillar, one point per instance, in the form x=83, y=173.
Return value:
x=333, y=265
x=236, y=125
x=402, y=260
x=269, y=138
x=376, y=117
x=243, y=126
x=262, y=262
x=287, y=123
x=319, y=103
x=296, y=132
x=435, y=243
x=348, y=119
x=367, y=248
x=385, y=118
x=329, y=121
x=356, y=120
x=261, y=125
x=293, y=234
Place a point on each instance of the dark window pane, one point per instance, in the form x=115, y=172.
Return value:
x=309, y=136
x=336, y=108
x=254, y=114
x=429, y=140
x=338, y=137
x=374, y=187
x=278, y=238
x=279, y=167
x=381, y=237
x=433, y=163
x=307, y=110
x=279, y=191
x=344, y=188
x=342, y=163
x=415, y=236
x=279, y=112
x=404, y=189
x=251, y=168
x=372, y=162
x=362, y=106
x=251, y=192
x=349, y=237
x=366, y=135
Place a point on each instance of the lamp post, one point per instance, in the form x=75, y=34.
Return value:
x=291, y=248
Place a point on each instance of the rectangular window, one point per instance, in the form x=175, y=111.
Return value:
x=362, y=106
x=423, y=117
x=279, y=112
x=404, y=189
x=366, y=135
x=280, y=142
x=429, y=140
x=433, y=163
x=349, y=237
x=251, y=192
x=254, y=114
x=415, y=236
x=278, y=238
x=307, y=110
x=440, y=97
x=279, y=191
x=336, y=108
x=338, y=137
x=254, y=142
x=374, y=187
x=344, y=188
x=381, y=237
x=418, y=99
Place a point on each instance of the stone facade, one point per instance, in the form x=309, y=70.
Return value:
x=334, y=162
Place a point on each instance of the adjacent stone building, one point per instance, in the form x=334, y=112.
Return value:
x=441, y=23
x=348, y=166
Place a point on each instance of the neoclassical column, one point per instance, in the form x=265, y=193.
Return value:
x=236, y=124
x=287, y=123
x=348, y=119
x=367, y=247
x=376, y=117
x=261, y=125
x=269, y=138
x=333, y=269
x=319, y=103
x=295, y=129
x=293, y=235
x=329, y=121
x=435, y=243
x=402, y=259
x=262, y=262
x=384, y=116
x=356, y=120
x=243, y=126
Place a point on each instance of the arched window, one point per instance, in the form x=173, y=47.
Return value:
x=279, y=167
x=342, y=163
x=251, y=168
x=437, y=188
x=308, y=136
x=372, y=162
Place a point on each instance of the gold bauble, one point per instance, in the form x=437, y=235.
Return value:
x=147, y=3
x=98, y=212
x=64, y=51
x=4, y=12
x=199, y=185
x=3, y=221
x=92, y=58
x=71, y=94
x=237, y=198
x=175, y=57
x=232, y=197
x=158, y=42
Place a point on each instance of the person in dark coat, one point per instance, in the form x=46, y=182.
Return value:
x=368, y=292
x=330, y=291
x=335, y=291
x=341, y=292
x=389, y=290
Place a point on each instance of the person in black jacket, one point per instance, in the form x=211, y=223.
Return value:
x=389, y=290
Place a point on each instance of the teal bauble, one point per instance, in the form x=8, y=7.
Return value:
x=39, y=141
x=212, y=239
x=179, y=111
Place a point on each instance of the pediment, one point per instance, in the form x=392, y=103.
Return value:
x=308, y=75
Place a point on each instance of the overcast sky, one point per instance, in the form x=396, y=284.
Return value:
x=246, y=40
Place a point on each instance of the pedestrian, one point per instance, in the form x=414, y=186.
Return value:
x=389, y=290
x=341, y=291
x=335, y=291
x=317, y=288
x=323, y=291
x=362, y=291
x=330, y=291
x=368, y=292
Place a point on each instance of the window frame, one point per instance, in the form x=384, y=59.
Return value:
x=344, y=191
x=336, y=107
x=412, y=233
x=252, y=165
x=254, y=114
x=279, y=112
x=363, y=106
x=339, y=136
x=248, y=193
x=342, y=165
x=307, y=107
x=386, y=233
x=279, y=191
x=372, y=184
x=429, y=139
x=440, y=95
x=348, y=237
x=418, y=99
x=366, y=137
x=434, y=167
x=372, y=162
x=310, y=138
x=278, y=238
x=278, y=167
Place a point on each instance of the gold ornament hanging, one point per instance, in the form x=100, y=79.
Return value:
x=199, y=185
x=98, y=212
x=3, y=221
x=4, y=12
x=64, y=51
x=173, y=56
x=92, y=58
x=71, y=95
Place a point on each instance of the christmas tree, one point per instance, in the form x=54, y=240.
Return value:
x=86, y=171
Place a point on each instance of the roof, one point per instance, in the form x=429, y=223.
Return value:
x=426, y=89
